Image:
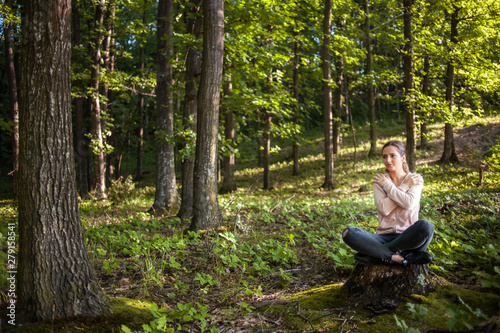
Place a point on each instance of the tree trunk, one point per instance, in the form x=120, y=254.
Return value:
x=55, y=275
x=266, y=158
x=82, y=149
x=206, y=211
x=266, y=138
x=193, y=70
x=424, y=139
x=380, y=288
x=96, y=121
x=449, y=153
x=229, y=182
x=327, y=97
x=166, y=195
x=14, y=106
x=369, y=83
x=339, y=100
x=139, y=173
x=409, y=104
x=296, y=115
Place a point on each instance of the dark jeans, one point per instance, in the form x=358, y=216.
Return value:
x=375, y=249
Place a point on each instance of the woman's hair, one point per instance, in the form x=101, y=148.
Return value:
x=401, y=150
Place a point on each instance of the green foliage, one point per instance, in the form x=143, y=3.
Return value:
x=120, y=189
x=181, y=317
x=462, y=316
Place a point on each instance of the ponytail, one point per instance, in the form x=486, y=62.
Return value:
x=405, y=167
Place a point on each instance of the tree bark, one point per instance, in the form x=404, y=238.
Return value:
x=296, y=115
x=369, y=83
x=193, y=71
x=339, y=100
x=229, y=182
x=139, y=173
x=424, y=139
x=206, y=211
x=82, y=148
x=166, y=195
x=409, y=105
x=266, y=138
x=449, y=153
x=95, y=111
x=14, y=103
x=55, y=276
x=380, y=288
x=329, y=182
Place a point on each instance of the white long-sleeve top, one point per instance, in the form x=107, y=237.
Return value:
x=398, y=206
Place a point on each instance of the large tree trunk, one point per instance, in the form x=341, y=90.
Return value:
x=229, y=182
x=166, y=189
x=206, y=211
x=369, y=83
x=193, y=71
x=380, y=288
x=409, y=105
x=449, y=153
x=55, y=276
x=329, y=182
x=96, y=121
x=14, y=106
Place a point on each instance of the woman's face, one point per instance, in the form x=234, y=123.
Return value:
x=393, y=161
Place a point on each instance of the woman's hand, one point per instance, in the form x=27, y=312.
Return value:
x=379, y=178
x=413, y=180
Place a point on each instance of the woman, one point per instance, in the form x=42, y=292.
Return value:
x=401, y=237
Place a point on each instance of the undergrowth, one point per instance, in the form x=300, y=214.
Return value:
x=274, y=243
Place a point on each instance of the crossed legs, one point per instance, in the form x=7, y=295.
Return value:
x=373, y=248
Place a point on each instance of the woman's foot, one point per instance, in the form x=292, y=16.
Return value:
x=398, y=258
x=417, y=258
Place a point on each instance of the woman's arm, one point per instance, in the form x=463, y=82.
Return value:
x=387, y=196
x=384, y=204
x=404, y=196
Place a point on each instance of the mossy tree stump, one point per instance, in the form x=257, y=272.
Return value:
x=380, y=288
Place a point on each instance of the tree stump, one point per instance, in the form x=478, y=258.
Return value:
x=380, y=288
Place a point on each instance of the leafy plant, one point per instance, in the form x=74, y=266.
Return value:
x=462, y=316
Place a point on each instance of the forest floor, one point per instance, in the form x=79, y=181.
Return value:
x=275, y=244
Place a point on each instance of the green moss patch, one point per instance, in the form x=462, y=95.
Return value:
x=324, y=309
x=124, y=311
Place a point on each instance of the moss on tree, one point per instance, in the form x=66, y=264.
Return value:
x=125, y=311
x=325, y=309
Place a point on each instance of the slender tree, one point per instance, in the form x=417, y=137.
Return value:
x=14, y=103
x=327, y=97
x=193, y=72
x=206, y=211
x=409, y=105
x=82, y=151
x=266, y=137
x=424, y=139
x=449, y=153
x=96, y=115
x=229, y=181
x=55, y=275
x=369, y=82
x=296, y=113
x=139, y=173
x=166, y=189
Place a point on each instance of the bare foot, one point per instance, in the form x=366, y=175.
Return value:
x=398, y=258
